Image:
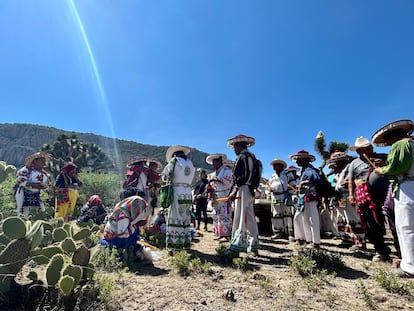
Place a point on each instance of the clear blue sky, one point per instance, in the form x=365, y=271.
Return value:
x=199, y=72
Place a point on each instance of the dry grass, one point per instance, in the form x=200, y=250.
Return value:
x=267, y=282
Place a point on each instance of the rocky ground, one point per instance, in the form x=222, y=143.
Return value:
x=269, y=283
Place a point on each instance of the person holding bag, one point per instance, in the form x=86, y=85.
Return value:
x=180, y=170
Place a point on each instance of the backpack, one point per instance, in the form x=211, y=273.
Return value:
x=324, y=188
x=256, y=172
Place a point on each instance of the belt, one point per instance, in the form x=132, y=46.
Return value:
x=180, y=185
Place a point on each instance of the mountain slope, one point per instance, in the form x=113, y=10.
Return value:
x=18, y=140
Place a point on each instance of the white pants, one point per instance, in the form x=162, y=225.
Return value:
x=309, y=230
x=404, y=223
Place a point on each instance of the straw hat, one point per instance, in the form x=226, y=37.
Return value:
x=292, y=168
x=378, y=137
x=38, y=155
x=249, y=141
x=360, y=142
x=302, y=154
x=174, y=149
x=136, y=160
x=68, y=167
x=214, y=156
x=156, y=161
x=337, y=156
x=278, y=161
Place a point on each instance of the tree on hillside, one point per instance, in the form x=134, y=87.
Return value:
x=69, y=148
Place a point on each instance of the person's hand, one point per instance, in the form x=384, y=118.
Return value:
x=352, y=200
x=377, y=171
x=232, y=195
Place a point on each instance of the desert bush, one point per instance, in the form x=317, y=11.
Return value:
x=7, y=202
x=197, y=266
x=181, y=261
x=309, y=261
x=392, y=283
x=241, y=263
x=107, y=259
x=107, y=186
x=225, y=254
x=106, y=286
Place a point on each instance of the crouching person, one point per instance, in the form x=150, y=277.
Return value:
x=122, y=228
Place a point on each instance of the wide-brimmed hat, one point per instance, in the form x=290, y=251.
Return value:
x=249, y=141
x=292, y=168
x=278, y=161
x=68, y=167
x=38, y=155
x=136, y=160
x=360, y=142
x=302, y=154
x=378, y=137
x=174, y=149
x=156, y=161
x=210, y=158
x=337, y=156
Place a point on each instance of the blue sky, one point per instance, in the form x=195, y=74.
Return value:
x=199, y=72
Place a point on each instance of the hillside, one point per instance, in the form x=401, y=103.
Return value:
x=18, y=140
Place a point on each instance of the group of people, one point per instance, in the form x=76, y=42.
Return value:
x=371, y=190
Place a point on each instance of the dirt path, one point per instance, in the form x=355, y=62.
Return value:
x=269, y=284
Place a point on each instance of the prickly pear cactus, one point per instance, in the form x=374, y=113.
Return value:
x=14, y=227
x=73, y=271
x=67, y=284
x=54, y=269
x=15, y=254
x=68, y=245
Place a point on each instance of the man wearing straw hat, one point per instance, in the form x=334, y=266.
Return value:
x=245, y=233
x=307, y=204
x=281, y=201
x=31, y=180
x=368, y=202
x=180, y=172
x=220, y=183
x=400, y=169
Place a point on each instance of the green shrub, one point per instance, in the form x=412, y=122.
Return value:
x=198, y=266
x=107, y=259
x=240, y=263
x=393, y=283
x=180, y=261
x=311, y=261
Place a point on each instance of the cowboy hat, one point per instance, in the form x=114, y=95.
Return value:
x=214, y=156
x=360, y=142
x=136, y=160
x=249, y=141
x=38, y=155
x=173, y=149
x=378, y=137
x=278, y=161
x=302, y=154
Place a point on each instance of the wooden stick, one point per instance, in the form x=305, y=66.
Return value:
x=225, y=199
x=369, y=160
